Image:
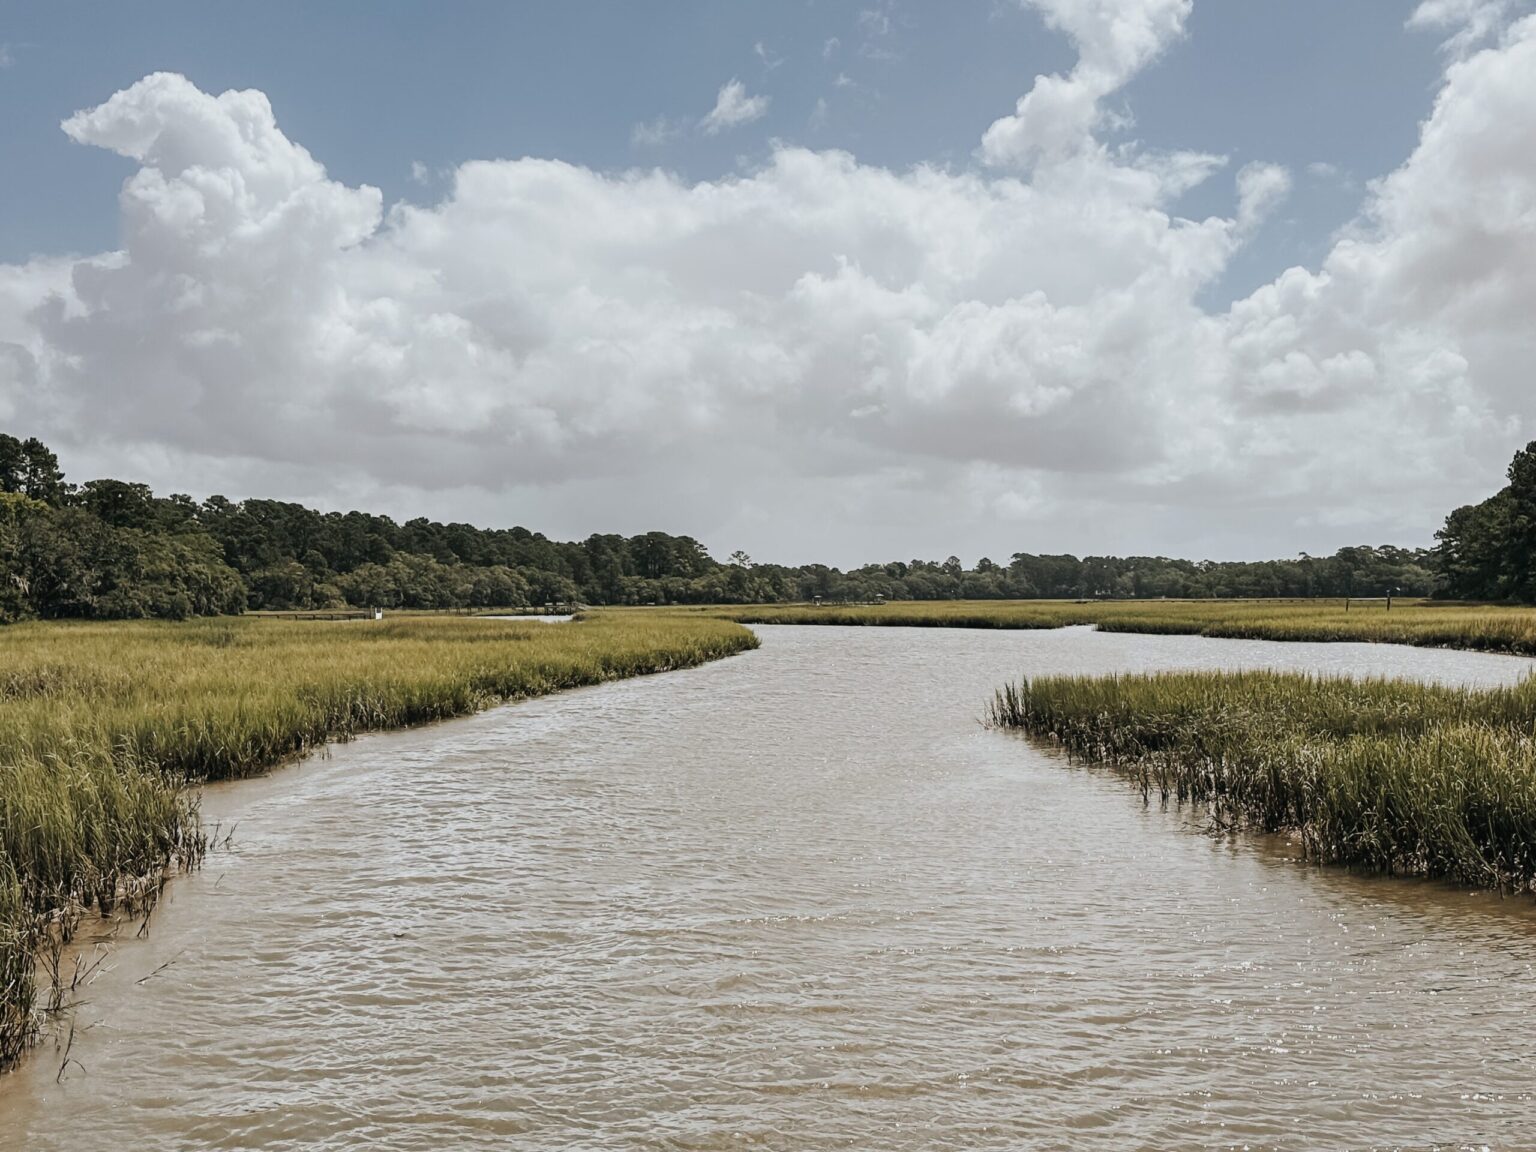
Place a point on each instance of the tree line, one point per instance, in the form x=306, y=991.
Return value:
x=1487, y=551
x=113, y=549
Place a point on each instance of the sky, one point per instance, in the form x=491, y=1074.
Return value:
x=822, y=281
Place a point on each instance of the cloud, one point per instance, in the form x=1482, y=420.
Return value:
x=1470, y=22
x=6, y=58
x=733, y=107
x=1260, y=189
x=876, y=25
x=876, y=21
x=654, y=133
x=770, y=61
x=814, y=358
x=1115, y=39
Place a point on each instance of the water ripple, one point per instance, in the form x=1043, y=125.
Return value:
x=795, y=900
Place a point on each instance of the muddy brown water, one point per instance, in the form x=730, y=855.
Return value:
x=798, y=899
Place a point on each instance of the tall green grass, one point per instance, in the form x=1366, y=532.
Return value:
x=1430, y=624
x=105, y=729
x=1408, y=779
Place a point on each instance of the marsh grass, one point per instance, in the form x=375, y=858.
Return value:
x=106, y=729
x=1424, y=623
x=1403, y=778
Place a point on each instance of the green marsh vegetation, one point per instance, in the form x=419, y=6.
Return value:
x=106, y=729
x=1404, y=778
x=1424, y=623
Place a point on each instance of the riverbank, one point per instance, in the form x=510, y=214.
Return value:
x=1422, y=623
x=1398, y=777
x=106, y=729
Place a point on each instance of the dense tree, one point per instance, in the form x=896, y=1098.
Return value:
x=42, y=479
x=114, y=548
x=13, y=463
x=117, y=503
x=66, y=562
x=1487, y=551
x=30, y=468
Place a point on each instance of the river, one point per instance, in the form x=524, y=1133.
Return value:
x=798, y=899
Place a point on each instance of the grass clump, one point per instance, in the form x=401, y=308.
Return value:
x=1424, y=623
x=106, y=728
x=1403, y=778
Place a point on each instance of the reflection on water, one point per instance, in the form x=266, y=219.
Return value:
x=795, y=900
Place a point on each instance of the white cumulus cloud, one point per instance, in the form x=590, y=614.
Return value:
x=1115, y=40
x=817, y=358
